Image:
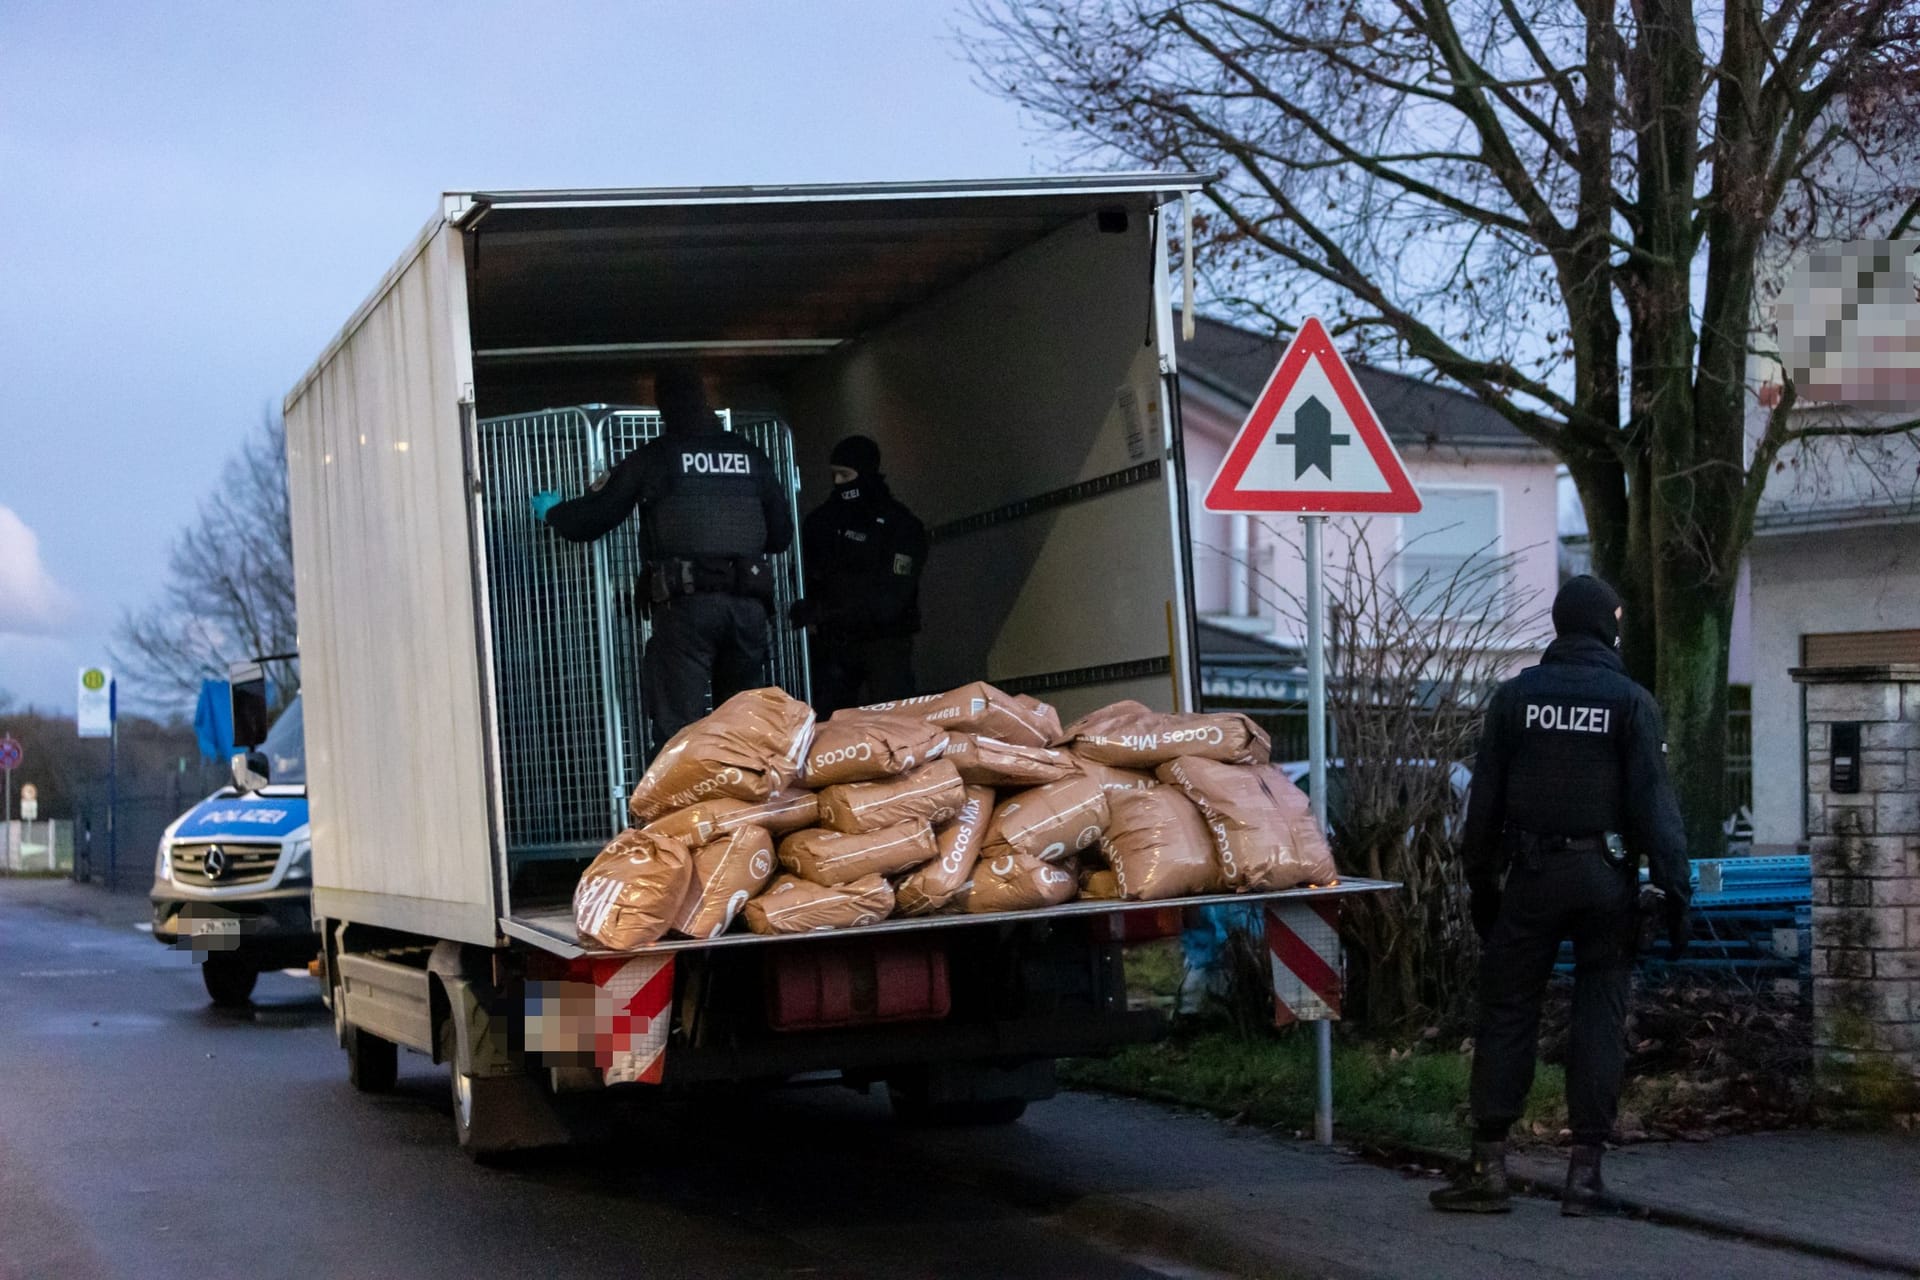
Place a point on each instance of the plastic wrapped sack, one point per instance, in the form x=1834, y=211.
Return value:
x=833, y=857
x=710, y=820
x=990, y=762
x=1159, y=847
x=854, y=747
x=981, y=708
x=747, y=749
x=794, y=905
x=932, y=793
x=1134, y=736
x=630, y=893
x=1021, y=882
x=1262, y=825
x=1114, y=779
x=726, y=873
x=957, y=846
x=1051, y=822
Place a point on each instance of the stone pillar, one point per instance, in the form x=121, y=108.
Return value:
x=1866, y=887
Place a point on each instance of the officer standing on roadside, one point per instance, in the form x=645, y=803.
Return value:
x=864, y=553
x=713, y=511
x=1570, y=789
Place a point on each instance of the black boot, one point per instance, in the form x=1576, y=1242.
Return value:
x=1585, y=1194
x=1481, y=1186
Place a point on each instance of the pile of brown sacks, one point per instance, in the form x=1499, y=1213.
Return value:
x=969, y=801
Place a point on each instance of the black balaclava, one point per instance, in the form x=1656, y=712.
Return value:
x=860, y=455
x=1585, y=607
x=681, y=397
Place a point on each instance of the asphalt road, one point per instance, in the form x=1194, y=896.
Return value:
x=144, y=1134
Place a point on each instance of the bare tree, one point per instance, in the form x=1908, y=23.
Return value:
x=1570, y=210
x=229, y=588
x=1413, y=656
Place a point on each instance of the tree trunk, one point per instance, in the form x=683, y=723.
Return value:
x=1696, y=621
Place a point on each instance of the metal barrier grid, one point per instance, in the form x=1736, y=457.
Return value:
x=568, y=629
x=551, y=672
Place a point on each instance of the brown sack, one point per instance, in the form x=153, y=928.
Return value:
x=832, y=857
x=779, y=813
x=1159, y=847
x=748, y=748
x=726, y=873
x=1134, y=736
x=981, y=708
x=1263, y=827
x=794, y=905
x=711, y=820
x=1050, y=822
x=855, y=747
x=1021, y=882
x=1099, y=882
x=932, y=793
x=692, y=826
x=993, y=763
x=1044, y=718
x=628, y=895
x=1112, y=779
x=957, y=845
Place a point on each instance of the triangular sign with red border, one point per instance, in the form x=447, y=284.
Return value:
x=1312, y=443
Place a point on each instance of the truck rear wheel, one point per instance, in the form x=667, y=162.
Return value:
x=229, y=980
x=373, y=1064
x=493, y=1115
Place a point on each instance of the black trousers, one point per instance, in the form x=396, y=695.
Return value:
x=1549, y=897
x=701, y=642
x=851, y=673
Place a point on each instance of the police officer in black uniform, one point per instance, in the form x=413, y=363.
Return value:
x=864, y=553
x=1570, y=789
x=713, y=512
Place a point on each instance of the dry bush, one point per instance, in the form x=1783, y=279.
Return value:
x=1410, y=665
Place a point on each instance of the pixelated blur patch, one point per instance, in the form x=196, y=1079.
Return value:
x=1849, y=323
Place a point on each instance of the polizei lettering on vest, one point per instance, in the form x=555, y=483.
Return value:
x=716, y=464
x=1569, y=719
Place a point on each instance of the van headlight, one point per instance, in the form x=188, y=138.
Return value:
x=300, y=860
x=163, y=865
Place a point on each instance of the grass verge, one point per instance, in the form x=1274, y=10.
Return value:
x=1415, y=1097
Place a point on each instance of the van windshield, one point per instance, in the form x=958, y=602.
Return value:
x=286, y=749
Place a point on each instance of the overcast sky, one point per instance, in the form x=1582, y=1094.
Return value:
x=196, y=196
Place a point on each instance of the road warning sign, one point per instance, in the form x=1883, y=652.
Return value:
x=1312, y=443
x=1303, y=946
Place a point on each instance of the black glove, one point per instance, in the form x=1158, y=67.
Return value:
x=803, y=613
x=1661, y=912
x=1679, y=928
x=1483, y=904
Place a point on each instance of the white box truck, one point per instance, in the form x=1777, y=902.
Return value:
x=472, y=723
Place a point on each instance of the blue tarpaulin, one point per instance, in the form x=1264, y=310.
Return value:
x=213, y=721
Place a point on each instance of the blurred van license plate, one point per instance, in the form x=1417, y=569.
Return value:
x=215, y=931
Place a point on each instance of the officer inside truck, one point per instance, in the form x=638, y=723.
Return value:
x=1570, y=790
x=712, y=511
x=864, y=552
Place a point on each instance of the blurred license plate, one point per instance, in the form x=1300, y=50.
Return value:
x=214, y=935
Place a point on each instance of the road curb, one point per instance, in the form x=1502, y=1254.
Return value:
x=1549, y=1187
x=1140, y=1228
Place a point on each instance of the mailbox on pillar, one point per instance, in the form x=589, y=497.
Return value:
x=1843, y=769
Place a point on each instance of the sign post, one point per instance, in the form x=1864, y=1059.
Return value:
x=97, y=715
x=1310, y=446
x=11, y=755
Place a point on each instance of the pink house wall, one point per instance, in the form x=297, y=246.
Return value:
x=1524, y=480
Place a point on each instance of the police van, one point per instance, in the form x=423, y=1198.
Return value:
x=233, y=881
